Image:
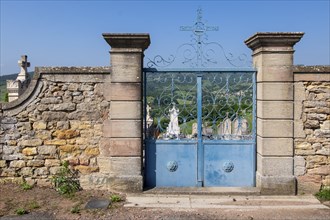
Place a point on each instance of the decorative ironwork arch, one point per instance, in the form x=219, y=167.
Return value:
x=199, y=52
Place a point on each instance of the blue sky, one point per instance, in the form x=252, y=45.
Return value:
x=69, y=33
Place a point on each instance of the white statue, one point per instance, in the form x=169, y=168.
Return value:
x=173, y=128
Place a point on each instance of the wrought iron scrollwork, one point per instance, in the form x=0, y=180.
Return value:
x=199, y=52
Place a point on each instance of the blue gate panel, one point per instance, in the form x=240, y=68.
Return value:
x=171, y=163
x=229, y=164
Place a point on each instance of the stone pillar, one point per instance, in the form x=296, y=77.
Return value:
x=273, y=59
x=123, y=130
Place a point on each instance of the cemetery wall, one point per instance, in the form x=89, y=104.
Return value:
x=59, y=117
x=312, y=127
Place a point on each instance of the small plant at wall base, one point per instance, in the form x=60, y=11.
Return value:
x=115, y=198
x=26, y=186
x=66, y=181
x=20, y=211
x=324, y=194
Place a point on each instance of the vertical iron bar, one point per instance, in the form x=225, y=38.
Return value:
x=200, y=148
x=254, y=121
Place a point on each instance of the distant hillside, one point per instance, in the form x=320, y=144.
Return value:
x=3, y=79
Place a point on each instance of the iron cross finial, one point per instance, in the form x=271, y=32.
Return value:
x=199, y=28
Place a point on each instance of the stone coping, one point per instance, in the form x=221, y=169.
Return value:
x=36, y=85
x=311, y=73
x=311, y=69
x=127, y=40
x=271, y=39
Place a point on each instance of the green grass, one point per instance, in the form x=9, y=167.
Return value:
x=26, y=186
x=115, y=198
x=34, y=205
x=20, y=211
x=324, y=194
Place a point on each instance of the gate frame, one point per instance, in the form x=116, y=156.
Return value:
x=200, y=146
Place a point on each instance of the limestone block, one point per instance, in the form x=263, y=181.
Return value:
x=42, y=171
x=26, y=171
x=126, y=183
x=95, y=181
x=277, y=59
x=125, y=165
x=309, y=184
x=35, y=163
x=275, y=146
x=325, y=125
x=303, y=146
x=326, y=181
x=31, y=143
x=80, y=125
x=275, y=91
x=43, y=134
x=276, y=185
x=86, y=169
x=69, y=148
x=298, y=109
x=92, y=151
x=54, y=170
x=17, y=164
x=122, y=128
x=84, y=160
x=299, y=166
x=126, y=67
x=104, y=164
x=274, y=128
x=299, y=129
x=29, y=151
x=52, y=162
x=3, y=163
x=275, y=73
x=54, y=116
x=69, y=106
x=51, y=100
x=11, y=143
x=125, y=147
x=275, y=109
x=55, y=142
x=126, y=110
x=123, y=92
x=66, y=134
x=275, y=166
x=39, y=125
x=47, y=150
x=322, y=170
x=85, y=115
x=7, y=172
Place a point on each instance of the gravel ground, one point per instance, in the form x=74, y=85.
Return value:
x=46, y=203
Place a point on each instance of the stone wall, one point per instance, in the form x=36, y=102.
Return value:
x=312, y=127
x=59, y=117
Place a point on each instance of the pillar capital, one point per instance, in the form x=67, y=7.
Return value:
x=133, y=42
x=263, y=41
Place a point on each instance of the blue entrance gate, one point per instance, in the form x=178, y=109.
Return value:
x=199, y=127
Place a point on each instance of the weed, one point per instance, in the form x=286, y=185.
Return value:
x=115, y=198
x=66, y=181
x=75, y=209
x=20, y=211
x=26, y=186
x=34, y=205
x=323, y=194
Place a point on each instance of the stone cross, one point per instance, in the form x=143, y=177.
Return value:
x=24, y=64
